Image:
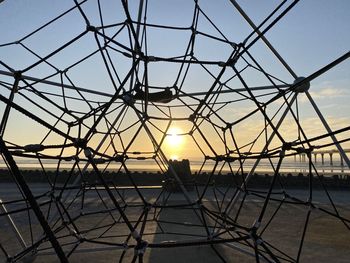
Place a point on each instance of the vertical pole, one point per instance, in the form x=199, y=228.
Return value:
x=322, y=156
x=8, y=107
x=341, y=160
x=136, y=44
x=31, y=200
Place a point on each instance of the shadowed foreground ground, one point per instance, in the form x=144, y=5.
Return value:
x=327, y=238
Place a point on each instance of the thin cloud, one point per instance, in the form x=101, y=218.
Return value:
x=325, y=93
x=328, y=92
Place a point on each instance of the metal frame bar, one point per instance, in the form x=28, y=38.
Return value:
x=32, y=201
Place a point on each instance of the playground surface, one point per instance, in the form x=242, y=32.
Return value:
x=327, y=238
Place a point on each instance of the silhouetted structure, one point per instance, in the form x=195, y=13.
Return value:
x=119, y=117
x=183, y=172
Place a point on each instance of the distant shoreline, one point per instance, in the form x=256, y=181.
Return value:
x=146, y=178
x=146, y=166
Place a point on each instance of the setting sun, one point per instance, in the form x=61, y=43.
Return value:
x=174, y=137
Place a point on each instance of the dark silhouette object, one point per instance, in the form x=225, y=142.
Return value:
x=183, y=171
x=164, y=96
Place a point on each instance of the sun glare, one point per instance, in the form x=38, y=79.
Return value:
x=174, y=157
x=174, y=137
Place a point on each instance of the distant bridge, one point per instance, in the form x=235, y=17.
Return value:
x=302, y=156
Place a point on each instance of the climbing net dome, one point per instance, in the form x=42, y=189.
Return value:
x=100, y=102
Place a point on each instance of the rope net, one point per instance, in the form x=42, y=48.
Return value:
x=93, y=95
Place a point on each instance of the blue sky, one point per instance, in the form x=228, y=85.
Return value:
x=310, y=36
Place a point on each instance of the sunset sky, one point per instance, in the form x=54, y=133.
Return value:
x=311, y=35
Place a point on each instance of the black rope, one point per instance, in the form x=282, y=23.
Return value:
x=75, y=120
